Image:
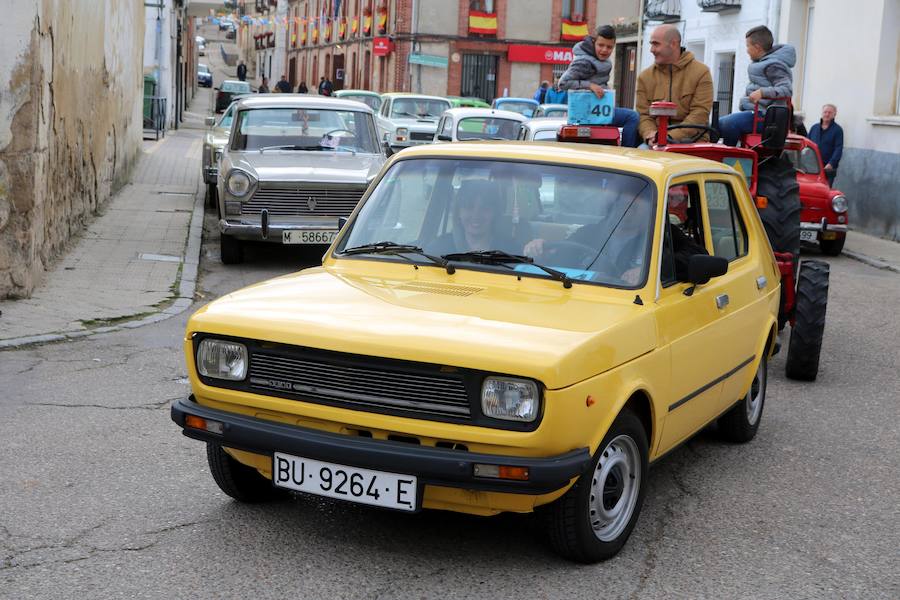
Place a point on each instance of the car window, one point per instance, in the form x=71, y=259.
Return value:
x=525, y=108
x=729, y=234
x=227, y=117
x=556, y=112
x=236, y=87
x=592, y=224
x=447, y=127
x=486, y=128
x=545, y=134
x=805, y=160
x=683, y=212
x=411, y=108
x=304, y=129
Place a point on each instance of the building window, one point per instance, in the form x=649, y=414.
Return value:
x=573, y=10
x=485, y=6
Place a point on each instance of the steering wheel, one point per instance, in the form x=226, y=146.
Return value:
x=570, y=253
x=703, y=130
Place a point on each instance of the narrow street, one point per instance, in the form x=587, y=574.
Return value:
x=102, y=497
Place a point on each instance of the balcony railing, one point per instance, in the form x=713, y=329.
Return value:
x=719, y=5
x=667, y=11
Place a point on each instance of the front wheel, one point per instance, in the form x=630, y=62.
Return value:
x=832, y=247
x=231, y=250
x=239, y=481
x=740, y=424
x=593, y=520
x=211, y=195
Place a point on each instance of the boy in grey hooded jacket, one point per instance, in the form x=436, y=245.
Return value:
x=770, y=77
x=589, y=70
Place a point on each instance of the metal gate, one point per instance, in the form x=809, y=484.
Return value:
x=725, y=93
x=626, y=74
x=479, y=76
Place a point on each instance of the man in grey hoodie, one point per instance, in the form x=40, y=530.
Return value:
x=770, y=77
x=589, y=70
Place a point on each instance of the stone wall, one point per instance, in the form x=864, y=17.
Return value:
x=70, y=124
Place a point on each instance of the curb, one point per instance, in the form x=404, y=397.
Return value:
x=872, y=262
x=186, y=287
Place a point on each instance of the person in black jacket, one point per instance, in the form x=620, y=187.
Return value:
x=242, y=71
x=302, y=89
x=284, y=86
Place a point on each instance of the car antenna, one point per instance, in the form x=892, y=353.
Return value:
x=637, y=300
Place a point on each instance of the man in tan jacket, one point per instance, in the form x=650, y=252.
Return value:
x=675, y=77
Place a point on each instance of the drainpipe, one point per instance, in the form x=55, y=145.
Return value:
x=415, y=44
x=640, y=37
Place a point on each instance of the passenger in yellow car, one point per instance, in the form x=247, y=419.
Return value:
x=478, y=222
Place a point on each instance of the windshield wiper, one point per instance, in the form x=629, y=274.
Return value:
x=289, y=147
x=396, y=249
x=499, y=257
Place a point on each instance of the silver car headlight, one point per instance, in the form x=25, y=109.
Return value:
x=238, y=183
x=218, y=154
x=401, y=134
x=510, y=399
x=839, y=204
x=222, y=359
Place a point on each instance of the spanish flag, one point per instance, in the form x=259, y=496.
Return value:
x=484, y=23
x=303, y=34
x=328, y=27
x=342, y=29
x=573, y=30
x=315, y=34
x=367, y=25
x=354, y=28
x=382, y=21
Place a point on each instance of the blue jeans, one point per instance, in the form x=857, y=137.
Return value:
x=627, y=119
x=733, y=126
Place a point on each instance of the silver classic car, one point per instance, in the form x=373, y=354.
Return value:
x=406, y=120
x=293, y=166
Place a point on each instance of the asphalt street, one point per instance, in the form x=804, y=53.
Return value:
x=102, y=497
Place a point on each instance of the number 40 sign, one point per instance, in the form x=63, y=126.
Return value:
x=585, y=108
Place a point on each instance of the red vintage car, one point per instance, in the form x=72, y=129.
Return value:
x=824, y=213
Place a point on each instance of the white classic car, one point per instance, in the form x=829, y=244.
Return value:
x=540, y=129
x=293, y=167
x=409, y=119
x=467, y=124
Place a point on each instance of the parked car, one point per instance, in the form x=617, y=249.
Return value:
x=409, y=119
x=467, y=102
x=422, y=368
x=540, y=129
x=201, y=49
x=823, y=217
x=229, y=89
x=466, y=124
x=525, y=106
x=214, y=142
x=204, y=76
x=231, y=31
x=369, y=98
x=294, y=165
x=552, y=110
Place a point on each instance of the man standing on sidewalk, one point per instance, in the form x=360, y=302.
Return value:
x=242, y=71
x=829, y=137
x=284, y=86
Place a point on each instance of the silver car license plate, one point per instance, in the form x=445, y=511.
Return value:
x=308, y=237
x=808, y=235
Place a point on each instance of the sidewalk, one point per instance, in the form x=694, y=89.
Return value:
x=136, y=263
x=873, y=251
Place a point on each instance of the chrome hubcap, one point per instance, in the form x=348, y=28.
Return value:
x=615, y=485
x=754, y=400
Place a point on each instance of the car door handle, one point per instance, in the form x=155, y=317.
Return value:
x=761, y=282
x=722, y=300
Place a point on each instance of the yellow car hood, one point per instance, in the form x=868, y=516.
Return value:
x=531, y=328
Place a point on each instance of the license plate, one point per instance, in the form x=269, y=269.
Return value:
x=807, y=235
x=365, y=486
x=829, y=235
x=308, y=237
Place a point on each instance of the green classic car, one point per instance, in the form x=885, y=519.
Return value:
x=468, y=102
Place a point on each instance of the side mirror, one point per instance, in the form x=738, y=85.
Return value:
x=443, y=137
x=217, y=89
x=702, y=268
x=341, y=222
x=210, y=121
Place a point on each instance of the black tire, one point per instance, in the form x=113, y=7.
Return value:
x=809, y=321
x=569, y=519
x=739, y=425
x=241, y=482
x=832, y=247
x=231, y=250
x=781, y=217
x=211, y=195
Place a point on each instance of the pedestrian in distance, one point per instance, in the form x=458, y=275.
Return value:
x=302, y=89
x=326, y=88
x=770, y=77
x=242, y=71
x=284, y=86
x=263, y=87
x=590, y=69
x=555, y=95
x=541, y=92
x=676, y=76
x=829, y=137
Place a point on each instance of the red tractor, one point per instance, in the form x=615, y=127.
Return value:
x=764, y=160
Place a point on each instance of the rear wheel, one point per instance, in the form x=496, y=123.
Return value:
x=239, y=481
x=832, y=247
x=231, y=250
x=593, y=520
x=211, y=195
x=739, y=424
x=809, y=321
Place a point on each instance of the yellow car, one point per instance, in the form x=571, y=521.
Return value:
x=498, y=327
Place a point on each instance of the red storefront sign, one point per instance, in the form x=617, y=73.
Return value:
x=382, y=46
x=539, y=54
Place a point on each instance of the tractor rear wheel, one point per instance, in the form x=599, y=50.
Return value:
x=781, y=216
x=809, y=321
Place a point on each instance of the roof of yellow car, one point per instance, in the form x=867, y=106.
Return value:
x=611, y=157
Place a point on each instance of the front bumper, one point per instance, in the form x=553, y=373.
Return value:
x=433, y=466
x=267, y=231
x=823, y=226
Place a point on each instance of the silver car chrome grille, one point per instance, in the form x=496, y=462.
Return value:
x=304, y=202
x=360, y=387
